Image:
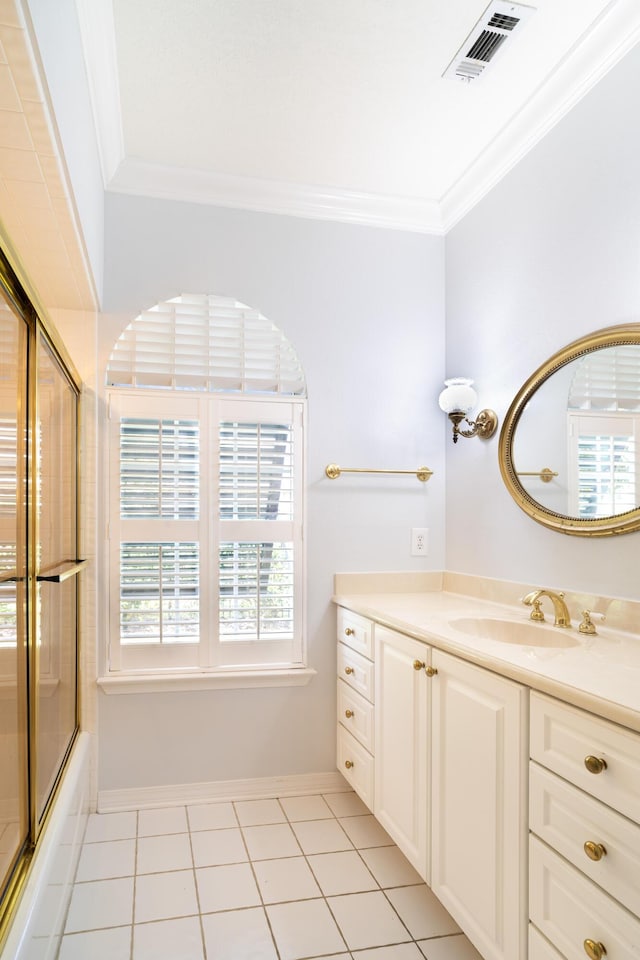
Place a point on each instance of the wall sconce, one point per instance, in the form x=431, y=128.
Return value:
x=457, y=400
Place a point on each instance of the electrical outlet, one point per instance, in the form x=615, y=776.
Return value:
x=419, y=541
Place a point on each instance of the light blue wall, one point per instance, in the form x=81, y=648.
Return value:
x=551, y=254
x=364, y=308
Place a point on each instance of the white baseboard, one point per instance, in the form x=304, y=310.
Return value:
x=145, y=798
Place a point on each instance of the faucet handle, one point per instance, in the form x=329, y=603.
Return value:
x=536, y=613
x=587, y=626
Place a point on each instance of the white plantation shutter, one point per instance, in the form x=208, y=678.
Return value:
x=207, y=343
x=604, y=464
x=206, y=492
x=604, y=433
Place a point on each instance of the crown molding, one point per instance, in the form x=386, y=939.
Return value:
x=141, y=178
x=613, y=35
x=97, y=29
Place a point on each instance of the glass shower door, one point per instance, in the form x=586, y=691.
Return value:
x=14, y=801
x=55, y=629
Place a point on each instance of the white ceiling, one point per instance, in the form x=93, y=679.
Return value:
x=333, y=108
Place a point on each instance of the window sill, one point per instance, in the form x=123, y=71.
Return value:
x=128, y=683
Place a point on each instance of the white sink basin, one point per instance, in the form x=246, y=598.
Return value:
x=524, y=633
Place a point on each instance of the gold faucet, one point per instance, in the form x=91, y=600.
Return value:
x=560, y=609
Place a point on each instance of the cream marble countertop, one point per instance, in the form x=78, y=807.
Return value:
x=599, y=673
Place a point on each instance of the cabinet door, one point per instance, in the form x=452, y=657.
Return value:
x=402, y=738
x=479, y=777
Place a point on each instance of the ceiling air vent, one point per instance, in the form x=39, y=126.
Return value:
x=500, y=22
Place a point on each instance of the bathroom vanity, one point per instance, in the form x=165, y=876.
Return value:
x=504, y=762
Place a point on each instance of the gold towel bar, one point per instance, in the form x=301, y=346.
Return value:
x=546, y=474
x=333, y=471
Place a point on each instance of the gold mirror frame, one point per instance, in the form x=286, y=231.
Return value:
x=581, y=527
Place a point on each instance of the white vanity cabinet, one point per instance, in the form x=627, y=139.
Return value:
x=479, y=832
x=402, y=743
x=355, y=735
x=585, y=834
x=451, y=757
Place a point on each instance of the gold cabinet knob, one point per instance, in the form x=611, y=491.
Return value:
x=348, y=670
x=431, y=671
x=595, y=764
x=419, y=664
x=595, y=851
x=349, y=632
x=349, y=713
x=348, y=764
x=594, y=949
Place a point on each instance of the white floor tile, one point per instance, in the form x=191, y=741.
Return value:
x=321, y=836
x=164, y=853
x=111, y=944
x=346, y=804
x=422, y=912
x=368, y=920
x=110, y=826
x=365, y=832
x=390, y=867
x=251, y=813
x=168, y=940
x=100, y=903
x=306, y=808
x=211, y=816
x=339, y=873
x=214, y=847
x=449, y=948
x=283, y=880
x=166, y=820
x=304, y=929
x=103, y=861
x=271, y=842
x=227, y=888
x=399, y=951
x=238, y=935
x=163, y=896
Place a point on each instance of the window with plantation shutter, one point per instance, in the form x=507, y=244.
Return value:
x=206, y=495
x=604, y=433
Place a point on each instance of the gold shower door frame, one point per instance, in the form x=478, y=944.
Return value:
x=46, y=587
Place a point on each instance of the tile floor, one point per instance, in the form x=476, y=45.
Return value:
x=299, y=877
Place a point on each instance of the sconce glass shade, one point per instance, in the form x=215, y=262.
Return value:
x=458, y=396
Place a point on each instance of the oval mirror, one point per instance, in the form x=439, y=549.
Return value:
x=570, y=443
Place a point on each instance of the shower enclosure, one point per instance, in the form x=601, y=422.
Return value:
x=38, y=579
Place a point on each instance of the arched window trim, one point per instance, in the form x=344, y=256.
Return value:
x=206, y=402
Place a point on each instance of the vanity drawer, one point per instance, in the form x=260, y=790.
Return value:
x=355, y=714
x=566, y=818
x=355, y=670
x=540, y=948
x=356, y=765
x=568, y=909
x=563, y=737
x=356, y=632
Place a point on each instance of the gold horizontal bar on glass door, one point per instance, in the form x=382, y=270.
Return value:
x=77, y=566
x=333, y=471
x=546, y=474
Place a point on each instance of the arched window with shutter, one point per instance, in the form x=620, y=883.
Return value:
x=206, y=405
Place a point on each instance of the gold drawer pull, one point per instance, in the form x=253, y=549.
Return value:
x=349, y=632
x=594, y=949
x=595, y=764
x=348, y=764
x=349, y=713
x=431, y=671
x=419, y=664
x=595, y=851
x=348, y=671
